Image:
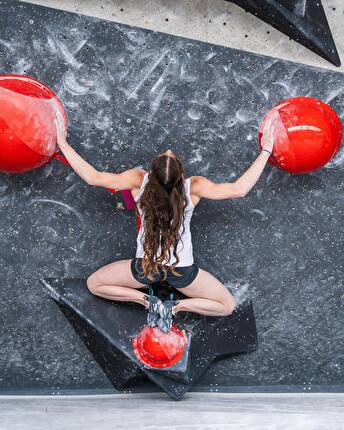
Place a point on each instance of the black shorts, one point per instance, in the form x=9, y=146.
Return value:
x=188, y=273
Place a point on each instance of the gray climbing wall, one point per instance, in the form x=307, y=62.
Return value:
x=131, y=93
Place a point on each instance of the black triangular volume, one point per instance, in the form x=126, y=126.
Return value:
x=107, y=329
x=302, y=20
x=120, y=370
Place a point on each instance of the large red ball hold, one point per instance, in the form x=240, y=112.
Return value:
x=154, y=348
x=27, y=128
x=308, y=133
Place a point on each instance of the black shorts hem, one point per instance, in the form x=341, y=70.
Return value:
x=189, y=274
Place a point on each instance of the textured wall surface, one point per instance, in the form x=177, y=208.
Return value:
x=129, y=93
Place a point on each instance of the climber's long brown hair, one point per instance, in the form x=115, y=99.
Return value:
x=162, y=202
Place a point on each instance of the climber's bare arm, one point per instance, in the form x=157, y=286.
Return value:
x=127, y=180
x=202, y=187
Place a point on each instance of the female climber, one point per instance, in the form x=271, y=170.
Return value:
x=165, y=200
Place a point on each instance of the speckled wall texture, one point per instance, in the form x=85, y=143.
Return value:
x=129, y=93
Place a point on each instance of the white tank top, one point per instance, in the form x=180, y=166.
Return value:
x=184, y=246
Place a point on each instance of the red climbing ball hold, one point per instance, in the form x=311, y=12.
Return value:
x=27, y=129
x=155, y=348
x=308, y=133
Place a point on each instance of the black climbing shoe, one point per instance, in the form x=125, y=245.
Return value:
x=153, y=310
x=166, y=316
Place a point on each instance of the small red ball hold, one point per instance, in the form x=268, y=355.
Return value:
x=154, y=348
x=307, y=135
x=27, y=128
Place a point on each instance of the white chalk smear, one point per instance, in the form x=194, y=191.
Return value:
x=194, y=114
x=197, y=157
x=239, y=291
x=72, y=85
x=259, y=212
x=133, y=93
x=300, y=8
x=156, y=103
x=50, y=290
x=56, y=202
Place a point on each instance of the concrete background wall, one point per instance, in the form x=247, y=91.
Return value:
x=154, y=412
x=214, y=21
